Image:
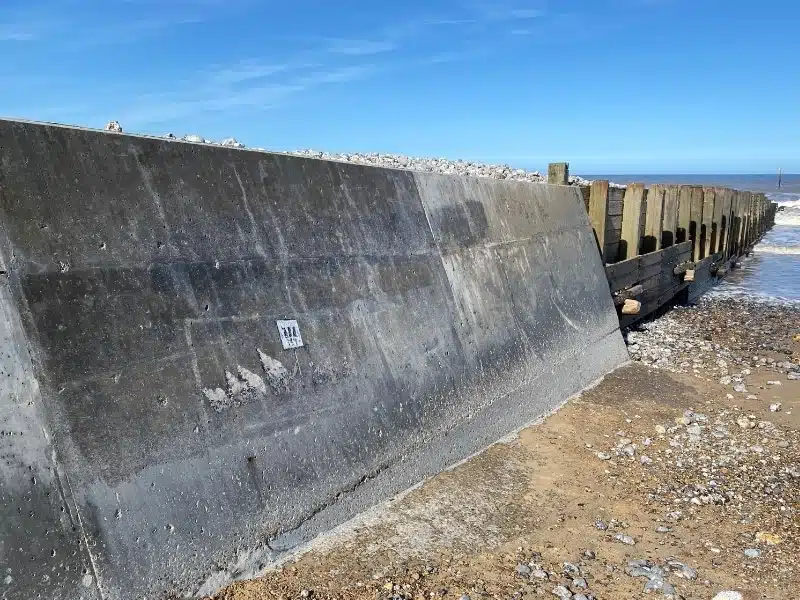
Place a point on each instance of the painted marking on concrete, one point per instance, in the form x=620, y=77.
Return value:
x=290, y=334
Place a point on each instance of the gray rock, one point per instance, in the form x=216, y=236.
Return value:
x=524, y=570
x=590, y=554
x=682, y=570
x=668, y=589
x=663, y=529
x=625, y=539
x=653, y=585
x=562, y=592
x=740, y=387
x=540, y=574
x=793, y=376
x=580, y=582
x=579, y=597
x=752, y=552
x=603, y=456
x=601, y=525
x=571, y=570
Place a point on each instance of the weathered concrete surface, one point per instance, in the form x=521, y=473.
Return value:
x=174, y=444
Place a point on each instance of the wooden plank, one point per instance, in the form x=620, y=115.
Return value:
x=654, y=214
x=696, y=220
x=612, y=249
x=669, y=228
x=614, y=207
x=724, y=195
x=736, y=223
x=598, y=211
x=652, y=258
x=684, y=212
x=622, y=274
x=613, y=235
x=707, y=224
x=631, y=221
x=645, y=272
x=716, y=220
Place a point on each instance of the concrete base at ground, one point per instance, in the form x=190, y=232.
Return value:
x=156, y=436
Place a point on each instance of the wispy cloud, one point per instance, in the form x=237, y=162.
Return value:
x=16, y=33
x=362, y=47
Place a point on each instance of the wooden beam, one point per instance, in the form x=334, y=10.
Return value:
x=631, y=221
x=653, y=219
x=684, y=213
x=706, y=227
x=696, y=220
x=669, y=227
x=558, y=173
x=724, y=196
x=598, y=212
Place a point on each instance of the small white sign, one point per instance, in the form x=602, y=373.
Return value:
x=290, y=334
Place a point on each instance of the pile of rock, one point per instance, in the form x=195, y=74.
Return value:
x=430, y=165
x=720, y=339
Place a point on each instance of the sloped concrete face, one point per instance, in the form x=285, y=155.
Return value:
x=175, y=443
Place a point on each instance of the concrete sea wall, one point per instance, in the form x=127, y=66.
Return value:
x=156, y=437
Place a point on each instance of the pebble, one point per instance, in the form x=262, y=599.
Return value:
x=580, y=582
x=571, y=570
x=579, y=597
x=694, y=429
x=540, y=574
x=774, y=383
x=625, y=539
x=728, y=595
x=601, y=525
x=770, y=539
x=663, y=529
x=523, y=570
x=752, y=553
x=775, y=407
x=740, y=387
x=603, y=456
x=646, y=460
x=562, y=592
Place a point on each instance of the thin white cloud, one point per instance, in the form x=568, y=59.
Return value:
x=361, y=47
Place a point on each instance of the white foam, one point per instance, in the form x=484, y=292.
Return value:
x=770, y=249
x=791, y=219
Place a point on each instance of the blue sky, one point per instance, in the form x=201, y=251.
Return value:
x=612, y=86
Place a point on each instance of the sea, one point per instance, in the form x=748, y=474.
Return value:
x=772, y=271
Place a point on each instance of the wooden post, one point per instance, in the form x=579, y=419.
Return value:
x=558, y=173
x=653, y=219
x=598, y=212
x=708, y=220
x=744, y=222
x=736, y=238
x=716, y=219
x=726, y=195
x=631, y=221
x=669, y=228
x=696, y=221
x=684, y=213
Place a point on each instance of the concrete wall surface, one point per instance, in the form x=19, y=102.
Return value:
x=156, y=438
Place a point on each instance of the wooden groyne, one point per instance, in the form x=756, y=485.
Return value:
x=668, y=243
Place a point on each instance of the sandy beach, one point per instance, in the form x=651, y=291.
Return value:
x=677, y=476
